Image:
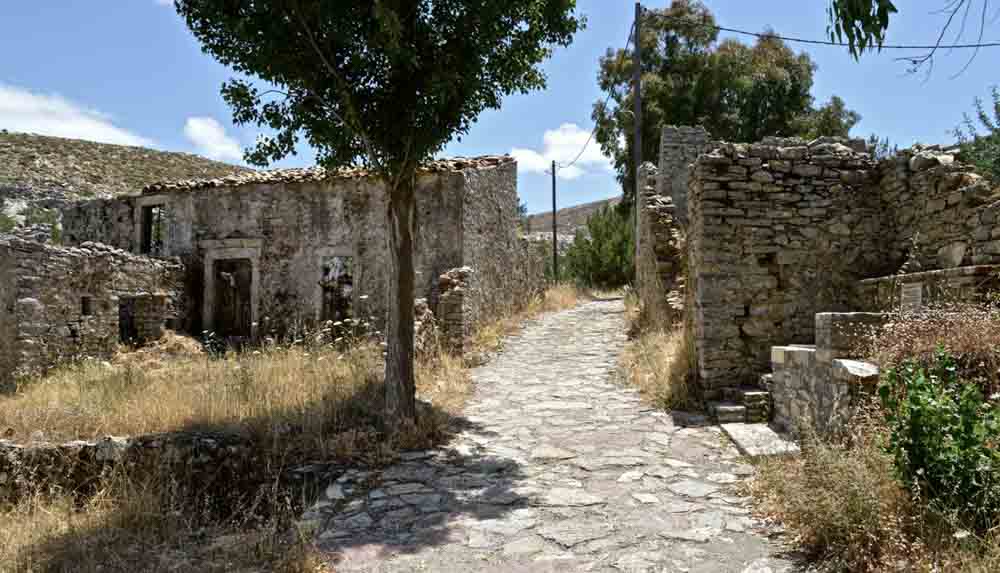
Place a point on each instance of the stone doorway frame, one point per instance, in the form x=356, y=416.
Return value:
x=223, y=249
x=323, y=253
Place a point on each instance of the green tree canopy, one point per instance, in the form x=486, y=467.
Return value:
x=738, y=92
x=831, y=118
x=384, y=83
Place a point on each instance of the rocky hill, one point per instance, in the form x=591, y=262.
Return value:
x=568, y=219
x=41, y=174
x=84, y=169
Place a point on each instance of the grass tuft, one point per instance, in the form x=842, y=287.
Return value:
x=658, y=359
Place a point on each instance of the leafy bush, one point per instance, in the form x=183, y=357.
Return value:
x=944, y=437
x=603, y=257
x=982, y=150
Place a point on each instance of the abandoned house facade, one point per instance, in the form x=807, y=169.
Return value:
x=779, y=255
x=263, y=254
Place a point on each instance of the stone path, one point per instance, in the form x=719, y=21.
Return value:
x=561, y=469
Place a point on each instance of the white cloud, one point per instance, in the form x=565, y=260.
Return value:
x=563, y=145
x=51, y=114
x=210, y=138
x=164, y=2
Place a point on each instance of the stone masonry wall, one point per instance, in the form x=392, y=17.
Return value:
x=819, y=387
x=66, y=300
x=8, y=325
x=507, y=270
x=289, y=223
x=658, y=266
x=680, y=146
x=288, y=229
x=778, y=231
x=952, y=212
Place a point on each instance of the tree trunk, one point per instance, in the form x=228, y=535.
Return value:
x=400, y=391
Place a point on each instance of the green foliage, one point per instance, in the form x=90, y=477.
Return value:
x=944, y=438
x=861, y=23
x=982, y=150
x=7, y=223
x=522, y=215
x=383, y=83
x=603, y=257
x=386, y=83
x=832, y=119
x=737, y=92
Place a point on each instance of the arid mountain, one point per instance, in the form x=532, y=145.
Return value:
x=568, y=219
x=79, y=169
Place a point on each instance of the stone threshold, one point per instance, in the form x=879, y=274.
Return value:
x=759, y=440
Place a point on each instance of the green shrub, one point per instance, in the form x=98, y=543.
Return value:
x=982, y=150
x=944, y=437
x=603, y=257
x=7, y=223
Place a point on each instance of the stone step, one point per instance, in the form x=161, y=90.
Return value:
x=756, y=440
x=725, y=412
x=755, y=400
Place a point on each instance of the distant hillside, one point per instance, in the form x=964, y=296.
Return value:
x=77, y=169
x=568, y=219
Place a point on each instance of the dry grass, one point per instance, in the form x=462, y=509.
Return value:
x=657, y=359
x=299, y=402
x=843, y=501
x=314, y=393
x=489, y=337
x=848, y=512
x=128, y=527
x=843, y=504
x=970, y=333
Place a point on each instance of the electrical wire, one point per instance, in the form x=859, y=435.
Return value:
x=791, y=39
x=606, y=100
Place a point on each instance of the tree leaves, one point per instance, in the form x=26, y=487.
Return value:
x=387, y=83
x=737, y=92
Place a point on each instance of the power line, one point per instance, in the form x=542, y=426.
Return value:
x=628, y=42
x=793, y=39
x=831, y=42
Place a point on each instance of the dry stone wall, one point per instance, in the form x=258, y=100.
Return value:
x=939, y=214
x=680, y=146
x=289, y=231
x=8, y=324
x=507, y=270
x=62, y=303
x=217, y=471
x=778, y=231
x=659, y=263
x=294, y=226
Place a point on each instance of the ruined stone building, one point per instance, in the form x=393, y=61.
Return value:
x=259, y=254
x=785, y=239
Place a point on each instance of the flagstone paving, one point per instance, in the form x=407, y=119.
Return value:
x=560, y=469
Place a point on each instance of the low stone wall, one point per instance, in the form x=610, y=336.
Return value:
x=818, y=387
x=62, y=303
x=970, y=284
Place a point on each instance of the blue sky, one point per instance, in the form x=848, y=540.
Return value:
x=128, y=71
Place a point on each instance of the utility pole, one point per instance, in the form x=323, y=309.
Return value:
x=555, y=233
x=637, y=142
